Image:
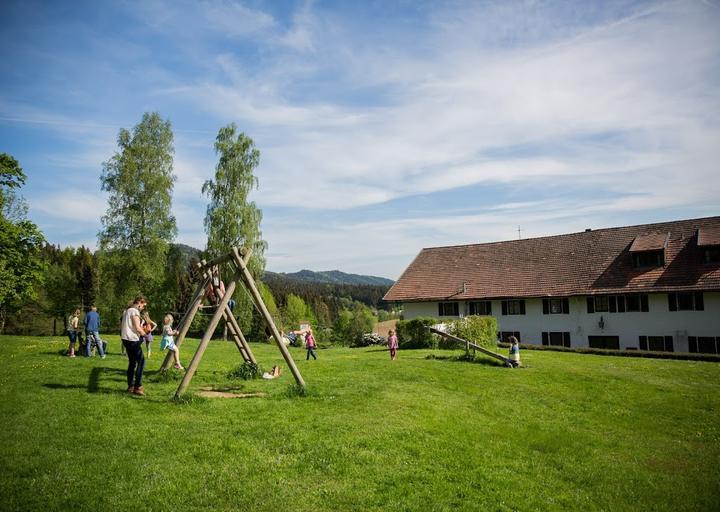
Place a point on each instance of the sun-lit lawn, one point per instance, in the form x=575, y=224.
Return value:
x=568, y=431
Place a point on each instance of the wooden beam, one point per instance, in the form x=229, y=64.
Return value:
x=250, y=283
x=238, y=337
x=223, y=259
x=467, y=343
x=192, y=368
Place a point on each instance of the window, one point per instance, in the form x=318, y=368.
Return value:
x=513, y=307
x=448, y=309
x=604, y=342
x=557, y=339
x=505, y=335
x=556, y=306
x=617, y=303
x=648, y=259
x=712, y=255
x=686, y=301
x=483, y=307
x=704, y=344
x=657, y=343
x=602, y=304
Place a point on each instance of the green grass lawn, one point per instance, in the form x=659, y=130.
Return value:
x=567, y=432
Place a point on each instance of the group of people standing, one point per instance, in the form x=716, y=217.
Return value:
x=136, y=328
x=92, y=332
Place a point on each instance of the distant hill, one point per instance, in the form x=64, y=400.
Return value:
x=308, y=276
x=188, y=253
x=332, y=277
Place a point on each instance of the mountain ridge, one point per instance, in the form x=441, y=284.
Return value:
x=305, y=275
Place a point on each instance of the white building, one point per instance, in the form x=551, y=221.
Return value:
x=648, y=287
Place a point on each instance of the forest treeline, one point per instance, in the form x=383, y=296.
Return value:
x=42, y=283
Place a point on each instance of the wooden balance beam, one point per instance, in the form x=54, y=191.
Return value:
x=508, y=362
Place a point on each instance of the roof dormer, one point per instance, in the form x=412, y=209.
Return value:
x=648, y=249
x=708, y=239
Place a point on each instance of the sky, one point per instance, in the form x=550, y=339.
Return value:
x=384, y=127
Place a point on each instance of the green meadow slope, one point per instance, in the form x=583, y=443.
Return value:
x=566, y=432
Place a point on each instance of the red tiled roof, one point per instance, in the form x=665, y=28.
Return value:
x=590, y=262
x=649, y=242
x=708, y=236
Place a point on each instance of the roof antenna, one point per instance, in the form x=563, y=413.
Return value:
x=519, y=230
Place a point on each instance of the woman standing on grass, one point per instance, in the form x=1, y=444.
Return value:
x=310, y=345
x=72, y=330
x=392, y=344
x=131, y=331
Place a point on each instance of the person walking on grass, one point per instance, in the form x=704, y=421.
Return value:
x=72, y=331
x=168, y=340
x=392, y=344
x=131, y=331
x=92, y=332
x=310, y=345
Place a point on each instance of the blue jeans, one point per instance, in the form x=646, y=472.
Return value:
x=90, y=338
x=310, y=352
x=136, y=362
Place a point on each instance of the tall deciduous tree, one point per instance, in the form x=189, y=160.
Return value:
x=21, y=263
x=231, y=219
x=138, y=225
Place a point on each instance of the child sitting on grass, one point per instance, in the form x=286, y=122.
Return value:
x=168, y=340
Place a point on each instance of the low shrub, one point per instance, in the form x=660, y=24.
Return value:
x=416, y=333
x=369, y=339
x=481, y=330
x=245, y=371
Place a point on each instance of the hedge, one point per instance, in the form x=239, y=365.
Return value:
x=416, y=333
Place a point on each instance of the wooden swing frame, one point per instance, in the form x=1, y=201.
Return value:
x=238, y=258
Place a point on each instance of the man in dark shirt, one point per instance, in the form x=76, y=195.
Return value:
x=92, y=332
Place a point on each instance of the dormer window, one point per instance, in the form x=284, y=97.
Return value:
x=648, y=250
x=708, y=239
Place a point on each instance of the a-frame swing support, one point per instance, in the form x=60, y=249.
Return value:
x=244, y=278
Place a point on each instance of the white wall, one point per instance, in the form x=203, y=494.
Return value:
x=659, y=321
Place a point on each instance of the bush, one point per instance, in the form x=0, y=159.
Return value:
x=481, y=330
x=245, y=371
x=416, y=333
x=369, y=339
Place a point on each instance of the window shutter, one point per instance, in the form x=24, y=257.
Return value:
x=612, y=300
x=545, y=340
x=522, y=307
x=566, y=306
x=672, y=301
x=440, y=309
x=699, y=302
x=566, y=339
x=621, y=303
x=669, y=343
x=546, y=306
x=644, y=303
x=643, y=343
x=504, y=307
x=692, y=344
x=591, y=304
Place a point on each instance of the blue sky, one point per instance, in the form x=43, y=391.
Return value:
x=384, y=127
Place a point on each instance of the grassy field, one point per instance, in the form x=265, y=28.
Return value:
x=567, y=432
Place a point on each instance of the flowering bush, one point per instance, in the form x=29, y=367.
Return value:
x=369, y=339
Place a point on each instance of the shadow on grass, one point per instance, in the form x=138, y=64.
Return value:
x=378, y=350
x=487, y=361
